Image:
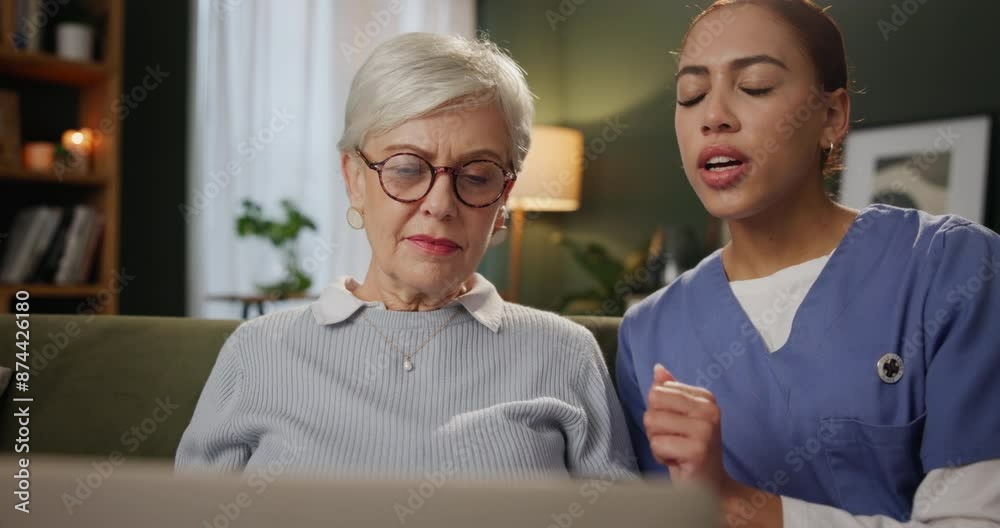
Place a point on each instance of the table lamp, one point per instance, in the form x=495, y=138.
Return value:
x=548, y=181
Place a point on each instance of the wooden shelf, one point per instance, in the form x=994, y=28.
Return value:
x=45, y=67
x=50, y=290
x=73, y=178
x=93, y=89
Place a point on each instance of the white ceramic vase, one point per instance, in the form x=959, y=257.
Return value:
x=75, y=41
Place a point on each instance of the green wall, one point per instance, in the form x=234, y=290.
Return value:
x=612, y=60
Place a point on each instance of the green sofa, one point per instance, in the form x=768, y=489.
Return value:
x=128, y=384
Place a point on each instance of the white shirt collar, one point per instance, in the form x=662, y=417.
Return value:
x=336, y=302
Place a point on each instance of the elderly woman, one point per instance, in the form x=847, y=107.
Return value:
x=421, y=368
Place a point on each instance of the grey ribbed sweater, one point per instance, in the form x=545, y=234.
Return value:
x=531, y=398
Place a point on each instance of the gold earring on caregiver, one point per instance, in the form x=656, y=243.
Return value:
x=355, y=218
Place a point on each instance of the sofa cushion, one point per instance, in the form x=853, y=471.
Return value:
x=130, y=384
x=605, y=329
x=94, y=379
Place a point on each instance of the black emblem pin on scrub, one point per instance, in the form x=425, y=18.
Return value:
x=890, y=368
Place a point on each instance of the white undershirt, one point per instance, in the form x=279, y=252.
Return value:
x=771, y=302
x=964, y=496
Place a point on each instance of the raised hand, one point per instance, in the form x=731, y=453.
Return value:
x=683, y=427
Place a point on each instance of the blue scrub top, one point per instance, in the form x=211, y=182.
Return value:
x=814, y=420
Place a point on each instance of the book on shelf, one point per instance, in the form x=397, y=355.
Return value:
x=90, y=250
x=30, y=236
x=30, y=32
x=83, y=228
x=46, y=269
x=51, y=245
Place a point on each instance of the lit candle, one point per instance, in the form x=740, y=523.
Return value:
x=79, y=143
x=39, y=156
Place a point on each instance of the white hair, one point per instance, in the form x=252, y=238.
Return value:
x=420, y=74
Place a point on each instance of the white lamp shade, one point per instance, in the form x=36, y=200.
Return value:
x=552, y=172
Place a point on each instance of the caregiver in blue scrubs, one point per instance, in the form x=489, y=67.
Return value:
x=828, y=366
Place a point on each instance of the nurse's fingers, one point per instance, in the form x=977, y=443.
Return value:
x=665, y=423
x=678, y=450
x=673, y=399
x=661, y=375
x=693, y=390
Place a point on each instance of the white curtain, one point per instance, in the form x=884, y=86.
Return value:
x=270, y=82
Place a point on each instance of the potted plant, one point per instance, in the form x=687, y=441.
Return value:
x=605, y=270
x=618, y=282
x=283, y=235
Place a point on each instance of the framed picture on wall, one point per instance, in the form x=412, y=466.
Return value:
x=10, y=130
x=936, y=166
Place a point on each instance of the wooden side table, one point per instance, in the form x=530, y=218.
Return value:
x=257, y=300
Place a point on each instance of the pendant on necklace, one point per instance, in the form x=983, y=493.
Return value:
x=407, y=364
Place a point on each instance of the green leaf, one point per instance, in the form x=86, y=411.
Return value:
x=244, y=226
x=283, y=235
x=276, y=233
x=597, y=262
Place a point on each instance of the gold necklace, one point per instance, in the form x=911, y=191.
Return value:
x=408, y=358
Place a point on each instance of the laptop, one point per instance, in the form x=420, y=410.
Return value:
x=86, y=492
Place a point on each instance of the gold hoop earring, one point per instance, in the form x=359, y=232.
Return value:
x=355, y=218
x=499, y=236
